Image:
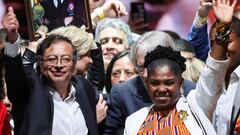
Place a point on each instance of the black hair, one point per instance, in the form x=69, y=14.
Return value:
x=236, y=25
x=108, y=84
x=165, y=55
x=49, y=40
x=184, y=45
x=172, y=34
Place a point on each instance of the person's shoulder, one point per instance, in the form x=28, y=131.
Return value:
x=131, y=82
x=140, y=113
x=126, y=86
x=188, y=86
x=80, y=80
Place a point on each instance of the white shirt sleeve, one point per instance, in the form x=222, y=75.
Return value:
x=209, y=86
x=12, y=49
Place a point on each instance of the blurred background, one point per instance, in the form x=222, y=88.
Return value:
x=174, y=15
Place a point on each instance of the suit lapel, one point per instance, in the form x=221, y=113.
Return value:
x=236, y=108
x=82, y=99
x=191, y=124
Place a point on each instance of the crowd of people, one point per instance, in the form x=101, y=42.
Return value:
x=113, y=81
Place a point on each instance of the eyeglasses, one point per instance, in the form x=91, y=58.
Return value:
x=53, y=60
x=114, y=39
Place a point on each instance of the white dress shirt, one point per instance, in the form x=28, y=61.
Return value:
x=222, y=115
x=68, y=118
x=56, y=2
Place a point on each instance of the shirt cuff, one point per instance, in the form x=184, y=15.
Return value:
x=199, y=22
x=12, y=49
x=216, y=64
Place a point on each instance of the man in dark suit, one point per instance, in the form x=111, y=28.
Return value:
x=128, y=97
x=54, y=102
x=63, y=12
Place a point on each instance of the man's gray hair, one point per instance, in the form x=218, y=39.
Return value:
x=114, y=23
x=148, y=42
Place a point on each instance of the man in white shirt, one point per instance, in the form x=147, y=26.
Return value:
x=54, y=102
x=226, y=112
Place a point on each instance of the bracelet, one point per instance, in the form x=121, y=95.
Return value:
x=199, y=22
x=222, y=33
x=100, y=13
x=203, y=20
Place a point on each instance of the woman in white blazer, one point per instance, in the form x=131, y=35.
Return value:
x=164, y=80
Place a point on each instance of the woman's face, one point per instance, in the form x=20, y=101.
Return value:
x=163, y=87
x=123, y=70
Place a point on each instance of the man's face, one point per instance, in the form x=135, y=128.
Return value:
x=112, y=41
x=57, y=63
x=234, y=50
x=83, y=63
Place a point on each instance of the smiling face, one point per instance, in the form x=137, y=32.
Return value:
x=163, y=87
x=113, y=41
x=57, y=64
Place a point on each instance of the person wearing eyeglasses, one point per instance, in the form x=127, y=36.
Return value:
x=56, y=101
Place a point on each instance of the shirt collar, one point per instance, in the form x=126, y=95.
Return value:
x=55, y=2
x=236, y=74
x=56, y=95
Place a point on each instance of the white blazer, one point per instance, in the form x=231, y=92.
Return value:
x=200, y=103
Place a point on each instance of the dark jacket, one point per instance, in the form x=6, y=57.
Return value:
x=56, y=15
x=125, y=99
x=235, y=112
x=33, y=104
x=96, y=73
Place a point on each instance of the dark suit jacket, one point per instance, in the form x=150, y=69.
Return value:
x=125, y=99
x=235, y=112
x=56, y=15
x=33, y=104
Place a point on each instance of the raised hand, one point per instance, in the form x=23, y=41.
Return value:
x=114, y=8
x=138, y=26
x=34, y=44
x=11, y=25
x=223, y=10
x=204, y=8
